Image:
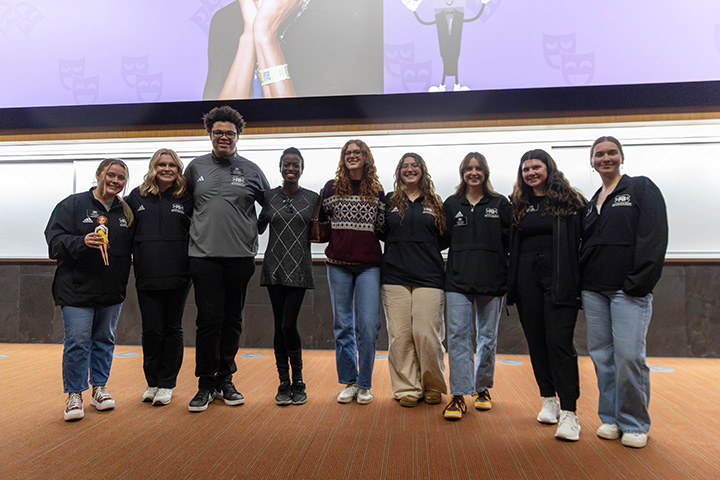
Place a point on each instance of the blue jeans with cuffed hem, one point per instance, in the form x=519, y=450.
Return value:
x=355, y=298
x=461, y=319
x=617, y=325
x=88, y=345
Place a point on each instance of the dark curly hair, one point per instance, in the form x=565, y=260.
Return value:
x=370, y=185
x=561, y=199
x=223, y=114
x=431, y=199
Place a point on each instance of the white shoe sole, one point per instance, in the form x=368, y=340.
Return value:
x=74, y=415
x=107, y=405
x=547, y=420
x=159, y=402
x=569, y=438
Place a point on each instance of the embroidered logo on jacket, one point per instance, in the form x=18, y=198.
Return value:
x=141, y=208
x=460, y=220
x=532, y=208
x=177, y=208
x=491, y=213
x=238, y=181
x=623, y=200
x=88, y=220
x=122, y=221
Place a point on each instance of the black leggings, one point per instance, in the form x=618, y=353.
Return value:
x=286, y=303
x=162, y=334
x=549, y=330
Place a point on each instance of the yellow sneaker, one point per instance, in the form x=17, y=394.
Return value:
x=482, y=400
x=455, y=409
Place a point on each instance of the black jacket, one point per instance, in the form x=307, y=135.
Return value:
x=624, y=246
x=81, y=277
x=412, y=247
x=479, y=241
x=160, y=246
x=566, y=239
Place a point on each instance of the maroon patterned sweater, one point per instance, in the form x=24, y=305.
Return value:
x=355, y=222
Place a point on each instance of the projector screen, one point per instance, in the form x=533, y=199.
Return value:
x=164, y=51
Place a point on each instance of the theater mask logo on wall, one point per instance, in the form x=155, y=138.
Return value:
x=86, y=89
x=131, y=66
x=68, y=69
x=149, y=87
x=395, y=55
x=22, y=16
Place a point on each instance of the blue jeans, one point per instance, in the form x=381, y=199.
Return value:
x=355, y=298
x=460, y=322
x=89, y=345
x=617, y=325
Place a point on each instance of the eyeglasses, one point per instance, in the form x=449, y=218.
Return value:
x=229, y=134
x=357, y=153
x=408, y=166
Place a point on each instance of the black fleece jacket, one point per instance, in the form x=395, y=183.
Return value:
x=81, y=277
x=624, y=245
x=160, y=246
x=479, y=238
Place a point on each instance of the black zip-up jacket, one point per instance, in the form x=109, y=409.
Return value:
x=566, y=240
x=624, y=245
x=479, y=240
x=81, y=277
x=412, y=247
x=160, y=245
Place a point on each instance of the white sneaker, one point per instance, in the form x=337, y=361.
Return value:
x=162, y=397
x=364, y=396
x=149, y=394
x=568, y=427
x=609, y=431
x=635, y=440
x=73, y=407
x=550, y=411
x=348, y=394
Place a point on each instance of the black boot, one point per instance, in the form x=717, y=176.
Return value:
x=298, y=387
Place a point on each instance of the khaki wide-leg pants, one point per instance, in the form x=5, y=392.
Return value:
x=416, y=330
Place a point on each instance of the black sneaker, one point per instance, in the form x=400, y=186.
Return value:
x=201, y=400
x=298, y=393
x=229, y=394
x=284, y=395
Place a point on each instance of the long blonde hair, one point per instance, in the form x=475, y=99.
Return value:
x=150, y=186
x=370, y=185
x=100, y=175
x=431, y=200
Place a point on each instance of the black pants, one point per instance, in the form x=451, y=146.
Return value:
x=549, y=330
x=286, y=303
x=220, y=286
x=162, y=334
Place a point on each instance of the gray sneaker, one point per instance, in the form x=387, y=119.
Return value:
x=364, y=396
x=348, y=393
x=162, y=397
x=550, y=411
x=568, y=426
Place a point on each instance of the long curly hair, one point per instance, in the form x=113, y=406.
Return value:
x=487, y=185
x=561, y=198
x=431, y=199
x=100, y=176
x=370, y=185
x=149, y=184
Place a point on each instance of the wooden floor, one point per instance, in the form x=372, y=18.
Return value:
x=324, y=439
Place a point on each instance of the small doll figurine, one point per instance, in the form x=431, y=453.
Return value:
x=102, y=229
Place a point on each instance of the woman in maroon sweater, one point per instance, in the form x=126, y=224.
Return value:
x=353, y=204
